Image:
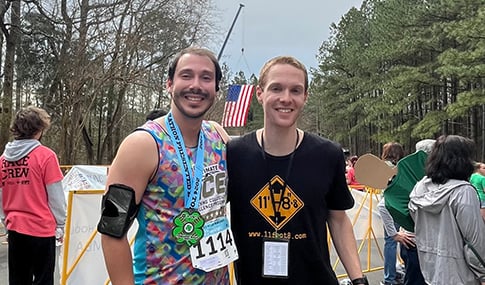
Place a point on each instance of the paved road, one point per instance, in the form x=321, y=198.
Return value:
x=3, y=259
x=374, y=277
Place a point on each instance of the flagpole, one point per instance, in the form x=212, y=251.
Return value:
x=230, y=30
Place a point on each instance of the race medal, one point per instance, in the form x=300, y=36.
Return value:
x=188, y=227
x=188, y=224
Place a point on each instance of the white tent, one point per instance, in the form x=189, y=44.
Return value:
x=85, y=177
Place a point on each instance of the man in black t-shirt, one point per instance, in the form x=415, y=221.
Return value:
x=285, y=187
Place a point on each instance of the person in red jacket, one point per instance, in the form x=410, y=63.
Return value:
x=350, y=174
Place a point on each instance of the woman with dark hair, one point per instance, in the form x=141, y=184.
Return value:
x=446, y=212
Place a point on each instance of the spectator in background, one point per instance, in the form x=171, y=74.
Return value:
x=392, y=152
x=406, y=239
x=425, y=145
x=478, y=181
x=33, y=207
x=154, y=114
x=346, y=154
x=445, y=210
x=350, y=174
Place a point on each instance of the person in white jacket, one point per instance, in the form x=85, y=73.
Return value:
x=446, y=212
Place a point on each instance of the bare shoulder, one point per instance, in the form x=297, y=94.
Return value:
x=135, y=161
x=137, y=138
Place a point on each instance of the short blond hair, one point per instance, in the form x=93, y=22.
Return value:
x=263, y=74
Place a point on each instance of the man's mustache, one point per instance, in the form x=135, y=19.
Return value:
x=194, y=92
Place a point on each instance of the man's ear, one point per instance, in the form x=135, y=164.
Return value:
x=259, y=92
x=169, y=86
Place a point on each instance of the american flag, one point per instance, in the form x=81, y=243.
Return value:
x=237, y=105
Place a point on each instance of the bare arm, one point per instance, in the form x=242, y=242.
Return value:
x=133, y=166
x=118, y=260
x=345, y=244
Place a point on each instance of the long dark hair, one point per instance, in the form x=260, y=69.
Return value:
x=451, y=158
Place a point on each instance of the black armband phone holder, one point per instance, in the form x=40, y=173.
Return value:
x=118, y=210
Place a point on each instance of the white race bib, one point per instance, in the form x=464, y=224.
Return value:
x=214, y=251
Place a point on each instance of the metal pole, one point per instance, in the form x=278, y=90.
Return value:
x=230, y=30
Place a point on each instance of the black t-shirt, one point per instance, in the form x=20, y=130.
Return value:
x=315, y=184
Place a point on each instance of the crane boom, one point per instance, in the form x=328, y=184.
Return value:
x=229, y=32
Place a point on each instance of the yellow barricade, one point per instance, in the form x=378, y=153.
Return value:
x=367, y=229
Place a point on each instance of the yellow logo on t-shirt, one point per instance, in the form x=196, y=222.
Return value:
x=279, y=209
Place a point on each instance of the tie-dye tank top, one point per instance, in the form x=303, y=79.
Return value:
x=158, y=259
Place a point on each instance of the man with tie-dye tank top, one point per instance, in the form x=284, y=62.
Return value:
x=171, y=174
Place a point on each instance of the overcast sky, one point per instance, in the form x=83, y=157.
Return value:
x=267, y=28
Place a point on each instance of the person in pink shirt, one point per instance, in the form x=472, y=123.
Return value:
x=33, y=207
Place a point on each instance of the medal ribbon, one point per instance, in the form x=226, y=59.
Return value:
x=191, y=191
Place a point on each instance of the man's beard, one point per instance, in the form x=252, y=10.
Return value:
x=181, y=96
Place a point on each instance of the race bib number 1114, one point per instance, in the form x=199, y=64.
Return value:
x=214, y=251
